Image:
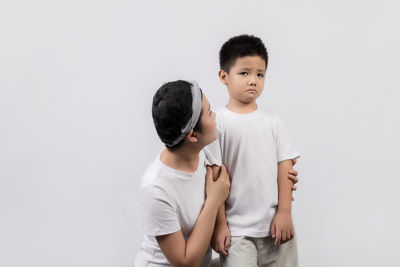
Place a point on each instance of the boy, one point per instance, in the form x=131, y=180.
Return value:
x=253, y=145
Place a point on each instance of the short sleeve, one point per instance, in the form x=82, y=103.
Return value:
x=213, y=152
x=284, y=148
x=158, y=213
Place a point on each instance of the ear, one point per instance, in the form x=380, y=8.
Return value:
x=191, y=137
x=223, y=76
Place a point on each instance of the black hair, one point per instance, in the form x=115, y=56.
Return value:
x=241, y=46
x=172, y=109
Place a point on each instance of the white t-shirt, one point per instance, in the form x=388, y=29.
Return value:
x=250, y=146
x=171, y=200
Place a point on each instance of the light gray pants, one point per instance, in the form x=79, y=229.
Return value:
x=259, y=252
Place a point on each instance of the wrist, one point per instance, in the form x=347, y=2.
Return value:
x=284, y=210
x=212, y=202
x=285, y=206
x=221, y=221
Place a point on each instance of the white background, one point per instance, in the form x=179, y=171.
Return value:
x=77, y=79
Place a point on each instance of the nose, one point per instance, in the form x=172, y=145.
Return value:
x=252, y=80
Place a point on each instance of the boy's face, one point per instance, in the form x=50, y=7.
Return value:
x=245, y=80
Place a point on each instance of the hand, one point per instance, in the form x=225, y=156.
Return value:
x=282, y=227
x=217, y=191
x=293, y=177
x=216, y=171
x=221, y=239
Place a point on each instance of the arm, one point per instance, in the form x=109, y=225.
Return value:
x=284, y=186
x=221, y=238
x=190, y=252
x=282, y=227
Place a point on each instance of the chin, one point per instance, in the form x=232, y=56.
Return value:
x=249, y=100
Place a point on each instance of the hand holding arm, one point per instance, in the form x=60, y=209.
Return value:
x=221, y=238
x=293, y=177
x=190, y=252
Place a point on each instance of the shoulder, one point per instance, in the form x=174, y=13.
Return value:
x=202, y=157
x=156, y=179
x=269, y=113
x=151, y=174
x=154, y=195
x=274, y=117
x=220, y=116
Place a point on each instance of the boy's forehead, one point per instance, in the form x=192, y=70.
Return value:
x=249, y=62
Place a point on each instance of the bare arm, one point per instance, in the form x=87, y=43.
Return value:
x=221, y=217
x=190, y=252
x=285, y=186
x=221, y=238
x=282, y=226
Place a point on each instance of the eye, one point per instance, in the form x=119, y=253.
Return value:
x=260, y=75
x=245, y=73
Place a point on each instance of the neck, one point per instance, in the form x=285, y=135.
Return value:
x=241, y=107
x=184, y=159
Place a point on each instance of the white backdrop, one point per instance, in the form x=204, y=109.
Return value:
x=76, y=84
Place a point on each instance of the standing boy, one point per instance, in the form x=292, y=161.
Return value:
x=253, y=144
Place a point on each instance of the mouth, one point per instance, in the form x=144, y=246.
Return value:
x=251, y=90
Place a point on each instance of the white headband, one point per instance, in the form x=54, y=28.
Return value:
x=196, y=109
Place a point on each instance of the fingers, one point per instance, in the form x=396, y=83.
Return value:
x=278, y=238
x=227, y=243
x=223, y=169
x=294, y=188
x=224, y=176
x=293, y=178
x=209, y=174
x=221, y=247
x=283, y=237
x=216, y=248
x=273, y=230
x=288, y=235
x=216, y=171
x=224, y=173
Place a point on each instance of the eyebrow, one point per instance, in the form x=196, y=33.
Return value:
x=261, y=70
